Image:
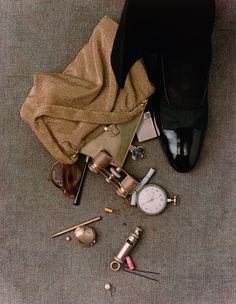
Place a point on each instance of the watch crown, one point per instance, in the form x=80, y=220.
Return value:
x=174, y=200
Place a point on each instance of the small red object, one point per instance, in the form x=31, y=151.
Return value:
x=130, y=263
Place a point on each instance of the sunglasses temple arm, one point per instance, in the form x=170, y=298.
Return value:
x=79, y=191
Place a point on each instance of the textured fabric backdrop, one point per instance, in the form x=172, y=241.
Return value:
x=193, y=245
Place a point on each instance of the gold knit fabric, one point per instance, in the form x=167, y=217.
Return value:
x=66, y=110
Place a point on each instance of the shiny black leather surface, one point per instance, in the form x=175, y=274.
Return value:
x=180, y=106
x=182, y=146
x=182, y=132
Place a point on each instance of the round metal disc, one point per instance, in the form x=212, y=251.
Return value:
x=85, y=235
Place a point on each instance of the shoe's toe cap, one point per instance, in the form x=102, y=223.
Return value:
x=182, y=147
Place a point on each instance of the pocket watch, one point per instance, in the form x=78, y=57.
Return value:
x=152, y=199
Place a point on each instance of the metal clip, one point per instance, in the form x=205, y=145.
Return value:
x=112, y=129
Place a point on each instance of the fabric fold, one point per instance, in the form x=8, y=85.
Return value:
x=67, y=109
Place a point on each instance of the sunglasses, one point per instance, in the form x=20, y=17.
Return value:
x=66, y=178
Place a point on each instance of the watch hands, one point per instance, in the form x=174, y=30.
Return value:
x=153, y=199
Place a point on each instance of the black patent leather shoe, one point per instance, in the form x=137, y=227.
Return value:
x=179, y=106
x=181, y=135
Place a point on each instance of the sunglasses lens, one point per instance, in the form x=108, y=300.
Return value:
x=57, y=175
x=66, y=178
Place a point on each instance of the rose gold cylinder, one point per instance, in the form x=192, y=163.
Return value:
x=127, y=186
x=100, y=162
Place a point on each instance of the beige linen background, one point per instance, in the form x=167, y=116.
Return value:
x=193, y=245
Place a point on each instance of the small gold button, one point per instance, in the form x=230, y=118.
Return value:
x=143, y=103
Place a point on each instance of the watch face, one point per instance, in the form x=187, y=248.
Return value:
x=152, y=199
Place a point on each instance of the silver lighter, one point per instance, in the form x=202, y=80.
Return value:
x=126, y=249
x=147, y=128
